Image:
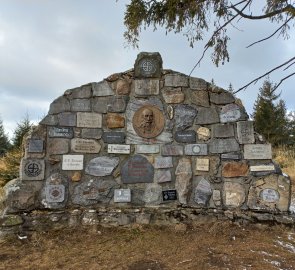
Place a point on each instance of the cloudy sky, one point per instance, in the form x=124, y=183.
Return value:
x=49, y=46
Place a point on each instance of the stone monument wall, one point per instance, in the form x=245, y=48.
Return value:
x=140, y=143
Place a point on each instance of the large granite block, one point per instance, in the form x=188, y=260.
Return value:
x=184, y=116
x=67, y=119
x=89, y=120
x=200, y=98
x=99, y=104
x=173, y=95
x=59, y=105
x=146, y=87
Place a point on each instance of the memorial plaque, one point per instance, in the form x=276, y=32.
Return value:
x=85, y=146
x=230, y=113
x=202, y=164
x=147, y=149
x=115, y=120
x=257, y=151
x=163, y=176
x=148, y=121
x=61, y=132
x=169, y=195
x=148, y=65
x=186, y=136
x=184, y=116
x=137, y=169
x=146, y=87
x=219, y=146
x=245, y=132
x=113, y=137
x=234, y=156
x=91, y=120
x=269, y=195
x=196, y=149
x=72, y=162
x=163, y=162
x=172, y=150
x=55, y=193
x=262, y=168
x=203, y=192
x=36, y=146
x=118, y=149
x=67, y=119
x=32, y=169
x=102, y=166
x=122, y=195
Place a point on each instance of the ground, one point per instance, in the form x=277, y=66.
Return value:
x=206, y=245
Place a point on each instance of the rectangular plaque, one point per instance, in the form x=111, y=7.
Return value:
x=114, y=137
x=235, y=156
x=61, y=132
x=262, y=168
x=169, y=195
x=163, y=162
x=91, y=120
x=185, y=136
x=172, y=150
x=72, y=162
x=36, y=146
x=85, y=145
x=245, y=132
x=202, y=164
x=196, y=149
x=257, y=151
x=122, y=195
x=118, y=149
x=147, y=149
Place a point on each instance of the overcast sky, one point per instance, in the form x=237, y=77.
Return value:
x=49, y=46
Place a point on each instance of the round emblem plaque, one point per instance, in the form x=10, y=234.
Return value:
x=32, y=169
x=148, y=121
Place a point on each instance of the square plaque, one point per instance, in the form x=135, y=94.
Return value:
x=36, y=146
x=122, y=195
x=55, y=193
x=169, y=195
x=118, y=149
x=72, y=162
x=202, y=164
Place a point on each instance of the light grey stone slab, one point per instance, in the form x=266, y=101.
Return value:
x=49, y=120
x=146, y=87
x=207, y=116
x=230, y=113
x=184, y=116
x=58, y=146
x=219, y=146
x=122, y=195
x=172, y=150
x=152, y=194
x=85, y=146
x=80, y=105
x=148, y=65
x=223, y=130
x=91, y=133
x=163, y=162
x=61, y=104
x=118, y=149
x=221, y=98
x=196, y=149
x=72, y=162
x=90, y=120
x=202, y=192
x=102, y=89
x=67, y=119
x=175, y=80
x=102, y=166
x=257, y=151
x=163, y=176
x=198, y=84
x=117, y=103
x=245, y=131
x=99, y=104
x=36, y=146
x=32, y=169
x=61, y=132
x=147, y=149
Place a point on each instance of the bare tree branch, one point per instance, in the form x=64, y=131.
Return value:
x=281, y=81
x=265, y=74
x=289, y=66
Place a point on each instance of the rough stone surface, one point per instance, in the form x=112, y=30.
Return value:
x=198, y=84
x=58, y=146
x=115, y=120
x=200, y=98
x=163, y=176
x=123, y=87
x=203, y=133
x=61, y=104
x=102, y=166
x=245, y=131
x=230, y=113
x=184, y=116
x=172, y=150
x=84, y=91
x=117, y=103
x=223, y=130
x=207, y=116
x=163, y=162
x=183, y=174
x=176, y=80
x=235, y=169
x=152, y=194
x=91, y=133
x=173, y=95
x=67, y=119
x=99, y=104
x=221, y=98
x=80, y=105
x=202, y=192
x=234, y=194
x=146, y=87
x=102, y=89
x=219, y=146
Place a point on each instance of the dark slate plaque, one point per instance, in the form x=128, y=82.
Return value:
x=113, y=137
x=137, y=169
x=186, y=136
x=61, y=132
x=36, y=146
x=169, y=195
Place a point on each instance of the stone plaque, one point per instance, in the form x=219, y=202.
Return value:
x=85, y=146
x=148, y=65
x=146, y=87
x=122, y=195
x=184, y=116
x=245, y=132
x=196, y=149
x=262, y=168
x=202, y=164
x=269, y=195
x=91, y=133
x=186, y=136
x=169, y=195
x=202, y=192
x=234, y=156
x=91, y=120
x=55, y=193
x=163, y=162
x=115, y=120
x=223, y=130
x=102, y=166
x=61, y=132
x=67, y=119
x=118, y=149
x=113, y=137
x=36, y=146
x=148, y=121
x=219, y=146
x=72, y=162
x=257, y=151
x=147, y=149
x=230, y=113
x=163, y=176
x=172, y=150
x=137, y=169
x=32, y=169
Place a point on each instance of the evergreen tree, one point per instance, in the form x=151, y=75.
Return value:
x=270, y=115
x=4, y=141
x=22, y=128
x=230, y=88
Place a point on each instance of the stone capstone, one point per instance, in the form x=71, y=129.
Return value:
x=176, y=80
x=59, y=105
x=198, y=84
x=148, y=65
x=221, y=98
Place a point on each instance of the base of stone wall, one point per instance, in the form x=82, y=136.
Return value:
x=41, y=220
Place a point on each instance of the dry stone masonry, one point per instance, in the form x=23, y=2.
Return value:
x=149, y=146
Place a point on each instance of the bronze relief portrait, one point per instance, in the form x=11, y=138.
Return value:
x=148, y=121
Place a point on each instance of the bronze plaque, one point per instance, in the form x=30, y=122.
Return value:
x=148, y=121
